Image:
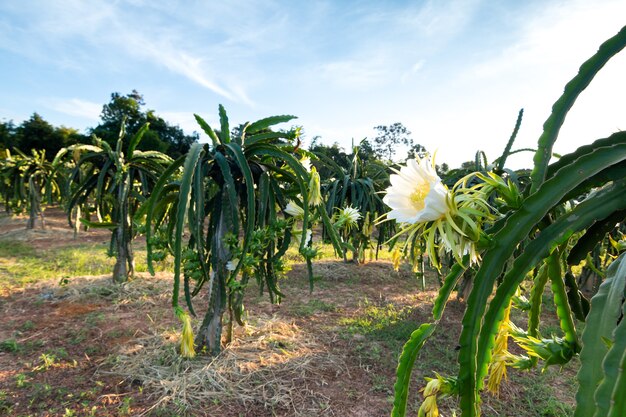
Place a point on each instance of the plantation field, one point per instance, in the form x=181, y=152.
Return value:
x=72, y=343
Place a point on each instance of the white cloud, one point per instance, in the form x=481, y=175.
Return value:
x=438, y=20
x=415, y=68
x=75, y=107
x=330, y=133
x=553, y=40
x=174, y=59
x=79, y=35
x=352, y=74
x=562, y=35
x=167, y=50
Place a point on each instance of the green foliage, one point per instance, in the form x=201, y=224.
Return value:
x=507, y=150
x=7, y=136
x=520, y=224
x=229, y=196
x=27, y=182
x=334, y=153
x=128, y=109
x=604, y=344
x=562, y=106
x=405, y=366
x=117, y=183
x=37, y=134
x=358, y=186
x=10, y=346
x=535, y=235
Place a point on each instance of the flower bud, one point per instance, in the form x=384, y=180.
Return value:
x=294, y=210
x=315, y=192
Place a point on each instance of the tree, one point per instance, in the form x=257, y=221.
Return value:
x=161, y=137
x=36, y=133
x=128, y=106
x=178, y=143
x=415, y=150
x=442, y=170
x=389, y=138
x=69, y=136
x=366, y=151
x=7, y=135
x=118, y=182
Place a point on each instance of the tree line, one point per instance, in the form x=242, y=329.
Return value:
x=130, y=109
x=38, y=134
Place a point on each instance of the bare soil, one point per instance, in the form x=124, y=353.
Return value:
x=93, y=348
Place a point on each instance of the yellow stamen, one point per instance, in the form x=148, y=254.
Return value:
x=418, y=197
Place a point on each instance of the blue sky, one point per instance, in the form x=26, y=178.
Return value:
x=454, y=72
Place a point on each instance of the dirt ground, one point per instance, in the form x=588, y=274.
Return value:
x=88, y=347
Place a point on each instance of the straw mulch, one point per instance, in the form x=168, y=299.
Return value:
x=270, y=364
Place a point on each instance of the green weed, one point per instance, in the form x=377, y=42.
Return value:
x=124, y=409
x=10, y=346
x=380, y=383
x=47, y=361
x=60, y=353
x=76, y=337
x=28, y=326
x=385, y=322
x=94, y=318
x=5, y=404
x=20, y=381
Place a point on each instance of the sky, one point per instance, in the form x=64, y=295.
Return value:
x=454, y=72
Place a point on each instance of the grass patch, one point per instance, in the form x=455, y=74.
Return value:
x=380, y=332
x=381, y=322
x=10, y=346
x=20, y=264
x=5, y=404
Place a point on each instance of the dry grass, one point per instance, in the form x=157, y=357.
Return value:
x=144, y=288
x=272, y=364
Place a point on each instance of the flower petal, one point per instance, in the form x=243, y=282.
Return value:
x=416, y=193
